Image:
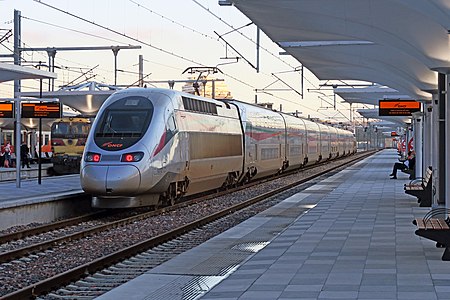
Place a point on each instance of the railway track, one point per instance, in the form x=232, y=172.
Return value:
x=155, y=239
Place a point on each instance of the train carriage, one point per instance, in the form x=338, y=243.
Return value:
x=265, y=140
x=212, y=134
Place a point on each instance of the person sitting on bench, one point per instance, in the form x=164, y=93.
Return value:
x=407, y=164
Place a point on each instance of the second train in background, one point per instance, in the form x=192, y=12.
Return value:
x=68, y=138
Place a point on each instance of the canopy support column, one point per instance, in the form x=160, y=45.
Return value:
x=446, y=162
x=427, y=134
x=418, y=146
x=435, y=147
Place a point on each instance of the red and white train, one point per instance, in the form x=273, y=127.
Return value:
x=152, y=146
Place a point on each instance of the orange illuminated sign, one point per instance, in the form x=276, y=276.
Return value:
x=6, y=110
x=50, y=110
x=398, y=107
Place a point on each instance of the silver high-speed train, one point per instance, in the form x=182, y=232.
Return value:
x=151, y=146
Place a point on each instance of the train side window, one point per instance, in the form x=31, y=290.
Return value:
x=170, y=128
x=171, y=123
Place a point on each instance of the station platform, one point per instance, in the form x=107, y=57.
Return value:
x=30, y=191
x=9, y=174
x=356, y=241
x=54, y=198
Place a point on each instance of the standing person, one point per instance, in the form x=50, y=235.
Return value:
x=7, y=155
x=24, y=153
x=2, y=155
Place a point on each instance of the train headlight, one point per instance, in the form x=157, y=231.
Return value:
x=92, y=157
x=132, y=157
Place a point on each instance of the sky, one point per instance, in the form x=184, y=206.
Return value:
x=174, y=35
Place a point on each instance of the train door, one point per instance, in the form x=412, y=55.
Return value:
x=341, y=141
x=295, y=140
x=312, y=141
x=171, y=156
x=284, y=148
x=252, y=146
x=333, y=142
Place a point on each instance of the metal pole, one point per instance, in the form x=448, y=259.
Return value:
x=426, y=139
x=115, y=51
x=442, y=144
x=141, y=70
x=418, y=136
x=301, y=81
x=40, y=139
x=257, y=48
x=51, y=68
x=435, y=147
x=17, y=38
x=447, y=146
x=40, y=151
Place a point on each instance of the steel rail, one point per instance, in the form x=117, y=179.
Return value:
x=5, y=238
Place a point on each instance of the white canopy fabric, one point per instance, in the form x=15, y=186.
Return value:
x=369, y=95
x=396, y=43
x=87, y=102
x=9, y=72
x=86, y=98
x=373, y=114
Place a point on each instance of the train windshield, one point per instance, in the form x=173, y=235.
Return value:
x=123, y=123
x=70, y=129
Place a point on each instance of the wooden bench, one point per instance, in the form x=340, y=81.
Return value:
x=435, y=229
x=421, y=188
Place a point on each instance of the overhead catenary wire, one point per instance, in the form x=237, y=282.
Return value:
x=159, y=48
x=119, y=33
x=73, y=30
x=232, y=27
x=248, y=38
x=132, y=38
x=173, y=21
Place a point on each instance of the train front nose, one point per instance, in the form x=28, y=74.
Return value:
x=110, y=180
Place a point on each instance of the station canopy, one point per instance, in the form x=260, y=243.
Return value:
x=388, y=121
x=396, y=44
x=85, y=98
x=369, y=95
x=10, y=72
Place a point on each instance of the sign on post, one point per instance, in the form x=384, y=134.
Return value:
x=7, y=110
x=51, y=110
x=398, y=107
